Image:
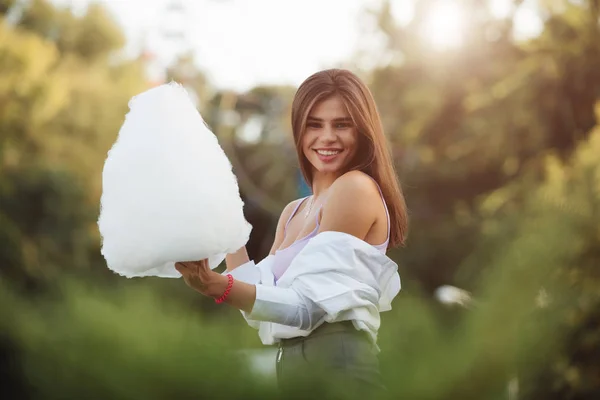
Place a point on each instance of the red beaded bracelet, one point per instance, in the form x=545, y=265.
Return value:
x=227, y=290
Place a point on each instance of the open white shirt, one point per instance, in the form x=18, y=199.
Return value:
x=335, y=277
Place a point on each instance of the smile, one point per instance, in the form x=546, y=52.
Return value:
x=328, y=152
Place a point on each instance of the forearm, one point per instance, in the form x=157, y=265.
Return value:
x=242, y=296
x=236, y=259
x=279, y=305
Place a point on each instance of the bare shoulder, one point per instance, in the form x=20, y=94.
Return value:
x=351, y=205
x=287, y=213
x=289, y=209
x=355, y=183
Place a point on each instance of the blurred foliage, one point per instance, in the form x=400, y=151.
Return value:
x=498, y=147
x=467, y=122
x=122, y=344
x=60, y=108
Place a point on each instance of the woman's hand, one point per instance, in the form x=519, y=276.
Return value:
x=199, y=276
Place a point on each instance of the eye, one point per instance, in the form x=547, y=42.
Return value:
x=343, y=125
x=313, y=125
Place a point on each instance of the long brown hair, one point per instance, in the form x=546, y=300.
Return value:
x=373, y=156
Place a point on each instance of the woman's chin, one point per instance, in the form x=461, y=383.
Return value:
x=329, y=169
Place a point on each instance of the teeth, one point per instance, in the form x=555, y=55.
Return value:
x=328, y=152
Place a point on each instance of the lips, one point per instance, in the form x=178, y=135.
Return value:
x=328, y=152
x=328, y=155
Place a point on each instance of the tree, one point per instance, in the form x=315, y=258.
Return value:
x=61, y=107
x=467, y=122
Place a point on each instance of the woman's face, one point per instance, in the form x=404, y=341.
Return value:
x=331, y=139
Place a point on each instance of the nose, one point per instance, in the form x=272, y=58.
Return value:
x=328, y=134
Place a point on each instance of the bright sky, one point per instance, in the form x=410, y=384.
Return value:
x=241, y=43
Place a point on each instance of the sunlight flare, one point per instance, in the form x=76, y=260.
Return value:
x=444, y=25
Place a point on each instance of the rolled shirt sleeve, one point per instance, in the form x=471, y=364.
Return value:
x=336, y=277
x=286, y=307
x=248, y=273
x=274, y=304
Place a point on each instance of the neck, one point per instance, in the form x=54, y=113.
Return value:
x=322, y=182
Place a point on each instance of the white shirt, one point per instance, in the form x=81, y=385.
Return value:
x=335, y=277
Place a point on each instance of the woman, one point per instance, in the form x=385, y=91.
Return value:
x=320, y=291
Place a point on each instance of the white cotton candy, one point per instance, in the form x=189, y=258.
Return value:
x=169, y=193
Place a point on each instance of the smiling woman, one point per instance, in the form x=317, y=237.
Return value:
x=320, y=291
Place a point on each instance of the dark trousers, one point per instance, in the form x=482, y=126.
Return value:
x=334, y=362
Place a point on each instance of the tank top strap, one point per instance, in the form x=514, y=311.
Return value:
x=317, y=215
x=293, y=213
x=387, y=213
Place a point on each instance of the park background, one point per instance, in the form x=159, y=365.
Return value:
x=491, y=109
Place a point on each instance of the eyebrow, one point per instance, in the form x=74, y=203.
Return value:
x=342, y=119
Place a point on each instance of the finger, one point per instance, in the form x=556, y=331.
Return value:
x=204, y=264
x=182, y=268
x=192, y=266
x=201, y=267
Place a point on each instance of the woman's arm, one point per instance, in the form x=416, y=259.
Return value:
x=351, y=208
x=234, y=260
